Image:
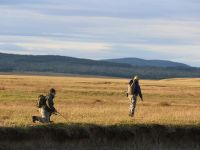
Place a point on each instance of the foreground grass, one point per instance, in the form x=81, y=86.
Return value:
x=100, y=101
x=96, y=137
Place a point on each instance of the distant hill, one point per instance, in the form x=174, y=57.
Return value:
x=143, y=62
x=69, y=65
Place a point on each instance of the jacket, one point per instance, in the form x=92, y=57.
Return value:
x=50, y=103
x=134, y=89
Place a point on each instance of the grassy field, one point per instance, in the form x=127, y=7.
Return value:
x=96, y=110
x=100, y=101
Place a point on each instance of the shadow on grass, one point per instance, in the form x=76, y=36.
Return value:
x=96, y=137
x=123, y=132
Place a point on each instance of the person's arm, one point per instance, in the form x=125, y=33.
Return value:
x=127, y=91
x=140, y=93
x=50, y=103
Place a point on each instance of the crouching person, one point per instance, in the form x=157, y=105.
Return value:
x=46, y=107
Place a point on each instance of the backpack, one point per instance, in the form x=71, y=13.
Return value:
x=41, y=101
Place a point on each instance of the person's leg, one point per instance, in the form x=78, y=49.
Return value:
x=45, y=116
x=48, y=116
x=131, y=105
x=134, y=102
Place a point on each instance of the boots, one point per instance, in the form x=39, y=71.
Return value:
x=34, y=119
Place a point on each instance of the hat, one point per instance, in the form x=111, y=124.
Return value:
x=136, y=78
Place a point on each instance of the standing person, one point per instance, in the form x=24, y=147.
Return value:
x=46, y=108
x=133, y=91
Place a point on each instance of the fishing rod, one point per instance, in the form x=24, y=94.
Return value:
x=61, y=116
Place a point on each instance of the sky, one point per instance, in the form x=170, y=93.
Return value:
x=101, y=29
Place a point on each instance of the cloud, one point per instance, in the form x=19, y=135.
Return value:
x=95, y=50
x=43, y=46
x=112, y=8
x=156, y=29
x=10, y=48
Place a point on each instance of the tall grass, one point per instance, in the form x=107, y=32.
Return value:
x=96, y=110
x=100, y=101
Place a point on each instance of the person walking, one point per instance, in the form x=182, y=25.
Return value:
x=46, y=107
x=132, y=93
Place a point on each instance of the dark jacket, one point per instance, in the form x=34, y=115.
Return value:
x=135, y=89
x=50, y=103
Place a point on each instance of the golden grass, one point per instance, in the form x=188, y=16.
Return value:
x=100, y=100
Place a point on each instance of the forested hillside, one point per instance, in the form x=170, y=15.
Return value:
x=70, y=65
x=145, y=63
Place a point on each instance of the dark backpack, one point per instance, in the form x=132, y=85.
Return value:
x=41, y=101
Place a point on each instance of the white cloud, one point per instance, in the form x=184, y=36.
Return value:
x=41, y=45
x=54, y=45
x=162, y=29
x=112, y=8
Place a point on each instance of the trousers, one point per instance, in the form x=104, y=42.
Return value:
x=133, y=102
x=45, y=116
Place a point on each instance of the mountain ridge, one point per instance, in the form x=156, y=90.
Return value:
x=143, y=62
x=70, y=65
